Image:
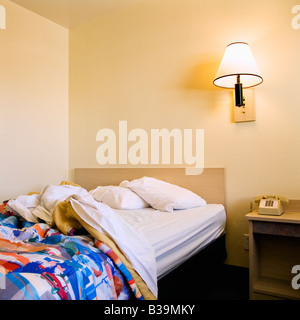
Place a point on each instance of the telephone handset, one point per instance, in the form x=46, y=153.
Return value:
x=271, y=205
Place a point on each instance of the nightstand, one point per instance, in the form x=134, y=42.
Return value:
x=274, y=249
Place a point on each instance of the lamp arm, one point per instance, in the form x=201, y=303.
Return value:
x=239, y=99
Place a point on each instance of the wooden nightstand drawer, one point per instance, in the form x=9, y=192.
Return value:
x=277, y=228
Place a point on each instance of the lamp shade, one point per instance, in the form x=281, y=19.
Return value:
x=238, y=60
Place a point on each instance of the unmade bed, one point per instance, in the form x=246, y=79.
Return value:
x=65, y=251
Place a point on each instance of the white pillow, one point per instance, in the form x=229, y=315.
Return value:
x=162, y=195
x=118, y=197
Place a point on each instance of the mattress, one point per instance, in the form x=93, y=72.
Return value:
x=179, y=235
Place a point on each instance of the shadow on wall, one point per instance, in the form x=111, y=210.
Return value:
x=200, y=79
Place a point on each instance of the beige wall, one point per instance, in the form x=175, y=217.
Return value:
x=33, y=102
x=153, y=65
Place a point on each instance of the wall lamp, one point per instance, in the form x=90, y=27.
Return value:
x=238, y=70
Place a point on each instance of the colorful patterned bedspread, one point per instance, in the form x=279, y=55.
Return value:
x=37, y=262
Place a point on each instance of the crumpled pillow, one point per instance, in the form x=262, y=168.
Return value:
x=118, y=197
x=162, y=195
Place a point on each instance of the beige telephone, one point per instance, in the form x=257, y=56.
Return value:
x=271, y=205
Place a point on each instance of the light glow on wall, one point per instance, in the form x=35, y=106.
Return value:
x=2, y=18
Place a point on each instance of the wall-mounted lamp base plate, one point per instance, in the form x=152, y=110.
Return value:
x=247, y=112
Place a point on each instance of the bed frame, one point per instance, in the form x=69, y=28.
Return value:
x=210, y=185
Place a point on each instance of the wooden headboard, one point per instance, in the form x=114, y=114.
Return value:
x=210, y=185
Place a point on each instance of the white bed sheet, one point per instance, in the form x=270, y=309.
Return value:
x=177, y=236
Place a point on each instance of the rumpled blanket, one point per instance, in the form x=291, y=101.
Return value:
x=40, y=263
x=72, y=207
